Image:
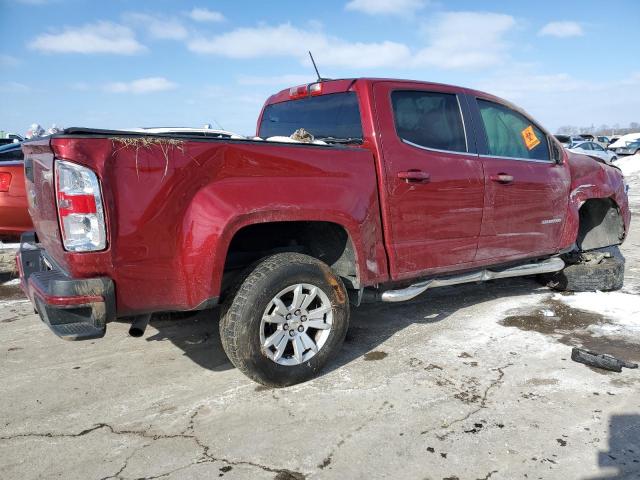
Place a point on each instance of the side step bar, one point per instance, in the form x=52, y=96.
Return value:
x=553, y=264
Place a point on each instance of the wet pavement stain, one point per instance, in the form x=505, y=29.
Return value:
x=570, y=326
x=11, y=292
x=375, y=355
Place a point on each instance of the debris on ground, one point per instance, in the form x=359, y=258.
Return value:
x=600, y=360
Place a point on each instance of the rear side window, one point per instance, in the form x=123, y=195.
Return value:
x=429, y=119
x=336, y=115
x=510, y=134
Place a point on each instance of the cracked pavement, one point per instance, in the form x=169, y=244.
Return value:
x=438, y=388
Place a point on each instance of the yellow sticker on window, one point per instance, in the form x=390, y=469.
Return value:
x=529, y=137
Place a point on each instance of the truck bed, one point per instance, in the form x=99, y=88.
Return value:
x=169, y=200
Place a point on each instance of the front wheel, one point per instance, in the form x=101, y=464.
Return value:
x=286, y=319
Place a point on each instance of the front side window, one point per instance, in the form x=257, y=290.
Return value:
x=585, y=146
x=597, y=147
x=510, y=134
x=429, y=119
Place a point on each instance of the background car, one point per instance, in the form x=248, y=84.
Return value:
x=587, y=137
x=568, y=140
x=204, y=132
x=631, y=148
x=14, y=215
x=594, y=150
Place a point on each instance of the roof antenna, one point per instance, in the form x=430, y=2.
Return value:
x=316, y=68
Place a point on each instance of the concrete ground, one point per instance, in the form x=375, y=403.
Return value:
x=471, y=382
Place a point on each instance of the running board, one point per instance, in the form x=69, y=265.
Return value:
x=553, y=264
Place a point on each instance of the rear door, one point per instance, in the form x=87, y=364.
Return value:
x=433, y=177
x=526, y=189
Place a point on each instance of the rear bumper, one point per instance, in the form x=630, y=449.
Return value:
x=74, y=309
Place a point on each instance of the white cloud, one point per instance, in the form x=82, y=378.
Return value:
x=386, y=7
x=466, y=40
x=157, y=26
x=100, y=37
x=463, y=40
x=205, y=15
x=8, y=61
x=142, y=85
x=287, y=40
x=561, y=30
x=278, y=80
x=14, y=87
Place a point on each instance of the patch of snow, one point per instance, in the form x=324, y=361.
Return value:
x=622, y=310
x=548, y=313
x=15, y=281
x=629, y=165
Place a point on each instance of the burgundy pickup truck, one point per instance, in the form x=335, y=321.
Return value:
x=407, y=186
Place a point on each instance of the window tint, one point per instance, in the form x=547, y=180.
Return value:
x=429, y=119
x=510, y=134
x=335, y=115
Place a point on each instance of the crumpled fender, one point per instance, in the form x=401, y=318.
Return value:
x=592, y=179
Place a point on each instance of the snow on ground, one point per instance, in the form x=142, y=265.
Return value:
x=629, y=165
x=622, y=310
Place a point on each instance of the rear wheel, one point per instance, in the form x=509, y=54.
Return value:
x=285, y=320
x=587, y=272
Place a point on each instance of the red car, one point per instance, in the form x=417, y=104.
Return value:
x=406, y=186
x=14, y=214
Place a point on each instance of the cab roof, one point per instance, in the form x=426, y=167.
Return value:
x=348, y=84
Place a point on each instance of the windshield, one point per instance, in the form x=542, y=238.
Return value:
x=325, y=117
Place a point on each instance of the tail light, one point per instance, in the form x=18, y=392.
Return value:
x=298, y=92
x=5, y=181
x=80, y=208
x=315, y=88
x=305, y=90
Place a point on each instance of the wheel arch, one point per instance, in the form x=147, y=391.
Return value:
x=600, y=224
x=246, y=240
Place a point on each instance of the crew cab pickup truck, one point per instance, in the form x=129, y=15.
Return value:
x=406, y=186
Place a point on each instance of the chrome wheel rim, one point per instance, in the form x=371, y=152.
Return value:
x=296, y=324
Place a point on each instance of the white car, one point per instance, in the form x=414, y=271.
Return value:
x=192, y=132
x=594, y=150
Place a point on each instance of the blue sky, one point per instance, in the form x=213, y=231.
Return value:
x=118, y=64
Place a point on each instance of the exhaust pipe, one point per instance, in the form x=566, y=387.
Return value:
x=139, y=325
x=553, y=264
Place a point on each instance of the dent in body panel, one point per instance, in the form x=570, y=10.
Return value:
x=592, y=180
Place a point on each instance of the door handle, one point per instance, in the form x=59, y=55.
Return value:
x=414, y=176
x=502, y=178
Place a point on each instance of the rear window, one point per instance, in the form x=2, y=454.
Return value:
x=11, y=153
x=336, y=115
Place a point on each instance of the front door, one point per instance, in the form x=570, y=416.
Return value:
x=433, y=179
x=526, y=190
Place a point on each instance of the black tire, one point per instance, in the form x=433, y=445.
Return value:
x=589, y=276
x=242, y=311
